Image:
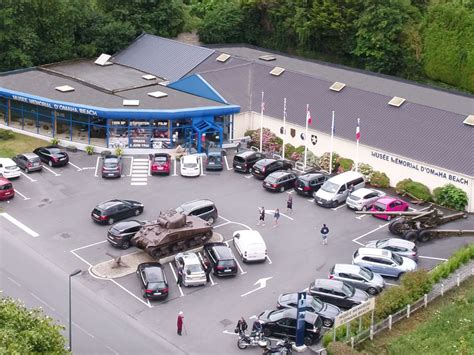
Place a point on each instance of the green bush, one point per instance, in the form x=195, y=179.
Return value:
x=414, y=189
x=417, y=284
x=401, y=186
x=451, y=196
x=345, y=164
x=89, y=149
x=54, y=141
x=460, y=257
x=6, y=134
x=366, y=170
x=325, y=159
x=390, y=301
x=379, y=179
x=118, y=151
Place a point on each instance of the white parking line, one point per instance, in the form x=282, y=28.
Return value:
x=130, y=293
x=131, y=165
x=268, y=259
x=15, y=282
x=19, y=224
x=271, y=212
x=96, y=166
x=52, y=172
x=290, y=191
x=202, y=169
x=138, y=183
x=78, y=168
x=43, y=302
x=361, y=216
x=240, y=224
x=87, y=246
x=432, y=258
x=336, y=208
x=24, y=197
x=176, y=279
x=311, y=200
x=355, y=240
x=174, y=165
x=85, y=331
x=25, y=175
x=242, y=272
x=248, y=176
x=112, y=349
x=149, y=168
x=226, y=163
x=221, y=225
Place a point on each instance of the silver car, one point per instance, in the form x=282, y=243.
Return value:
x=193, y=273
x=28, y=162
x=383, y=262
x=362, y=199
x=359, y=277
x=398, y=246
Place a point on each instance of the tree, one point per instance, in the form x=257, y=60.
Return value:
x=223, y=23
x=27, y=331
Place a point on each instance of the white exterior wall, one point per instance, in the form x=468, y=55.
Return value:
x=396, y=167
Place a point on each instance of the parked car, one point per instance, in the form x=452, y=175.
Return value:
x=250, y=245
x=264, y=167
x=327, y=312
x=308, y=184
x=9, y=169
x=336, y=189
x=337, y=293
x=244, y=161
x=160, y=163
x=193, y=273
x=112, y=166
x=397, y=246
x=6, y=189
x=111, y=211
x=153, y=280
x=205, y=209
x=363, y=199
x=389, y=204
x=281, y=323
x=221, y=258
x=279, y=181
x=383, y=262
x=190, y=166
x=359, y=277
x=215, y=159
x=52, y=155
x=28, y=162
x=120, y=234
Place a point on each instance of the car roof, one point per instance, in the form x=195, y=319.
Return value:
x=265, y=161
x=153, y=271
x=4, y=181
x=309, y=176
x=399, y=242
x=327, y=283
x=162, y=155
x=30, y=155
x=107, y=204
x=309, y=317
x=187, y=206
x=127, y=224
x=346, y=268
x=374, y=252
x=343, y=177
x=386, y=200
x=111, y=157
x=277, y=174
x=246, y=154
x=222, y=250
x=190, y=159
x=189, y=258
x=362, y=192
x=250, y=235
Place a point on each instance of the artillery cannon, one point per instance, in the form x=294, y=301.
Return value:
x=172, y=233
x=421, y=225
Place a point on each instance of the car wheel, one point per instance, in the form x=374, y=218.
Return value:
x=282, y=189
x=211, y=220
x=126, y=244
x=50, y=163
x=314, y=194
x=371, y=291
x=327, y=322
x=137, y=212
x=396, y=227
x=364, y=208
x=412, y=236
x=308, y=341
x=27, y=170
x=267, y=332
x=110, y=221
x=334, y=204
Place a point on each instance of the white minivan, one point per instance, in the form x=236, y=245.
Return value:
x=9, y=169
x=336, y=189
x=250, y=245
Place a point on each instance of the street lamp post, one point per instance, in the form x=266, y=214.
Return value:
x=74, y=273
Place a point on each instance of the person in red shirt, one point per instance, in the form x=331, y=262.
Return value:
x=180, y=322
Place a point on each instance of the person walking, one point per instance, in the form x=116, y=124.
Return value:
x=207, y=268
x=179, y=282
x=261, y=219
x=324, y=234
x=276, y=217
x=241, y=326
x=289, y=205
x=179, y=322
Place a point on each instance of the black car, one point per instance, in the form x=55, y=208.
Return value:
x=221, y=258
x=308, y=184
x=281, y=323
x=52, y=155
x=244, y=161
x=337, y=293
x=265, y=167
x=112, y=166
x=120, y=233
x=153, y=280
x=205, y=209
x=215, y=159
x=28, y=162
x=279, y=181
x=327, y=312
x=111, y=211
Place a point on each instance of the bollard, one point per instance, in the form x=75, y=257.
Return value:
x=458, y=279
x=390, y=322
x=408, y=311
x=442, y=289
x=425, y=298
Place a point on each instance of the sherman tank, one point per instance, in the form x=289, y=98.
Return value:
x=172, y=233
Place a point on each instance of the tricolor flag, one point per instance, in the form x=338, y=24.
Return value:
x=358, y=130
x=308, y=116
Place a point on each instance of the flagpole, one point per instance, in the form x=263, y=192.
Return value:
x=306, y=137
x=284, y=127
x=357, y=145
x=332, y=143
x=261, y=124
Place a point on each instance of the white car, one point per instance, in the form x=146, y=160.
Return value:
x=193, y=273
x=190, y=166
x=9, y=169
x=250, y=245
x=362, y=199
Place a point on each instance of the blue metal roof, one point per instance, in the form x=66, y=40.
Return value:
x=197, y=85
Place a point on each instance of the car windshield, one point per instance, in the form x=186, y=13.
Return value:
x=381, y=243
x=271, y=179
x=330, y=187
x=398, y=259
x=379, y=206
x=354, y=197
x=348, y=289
x=316, y=304
x=366, y=273
x=156, y=285
x=110, y=163
x=193, y=268
x=54, y=150
x=190, y=165
x=160, y=159
x=275, y=315
x=114, y=230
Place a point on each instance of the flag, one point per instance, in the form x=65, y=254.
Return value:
x=358, y=130
x=308, y=116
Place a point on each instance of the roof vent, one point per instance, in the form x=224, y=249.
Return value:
x=65, y=88
x=148, y=77
x=131, y=102
x=164, y=83
x=223, y=57
x=397, y=101
x=267, y=58
x=469, y=120
x=277, y=71
x=157, y=94
x=337, y=86
x=103, y=60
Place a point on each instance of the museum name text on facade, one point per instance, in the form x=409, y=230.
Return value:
x=55, y=106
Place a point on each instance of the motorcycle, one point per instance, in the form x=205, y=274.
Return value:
x=254, y=339
x=282, y=347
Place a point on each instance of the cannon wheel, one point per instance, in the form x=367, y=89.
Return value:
x=396, y=227
x=411, y=235
x=424, y=236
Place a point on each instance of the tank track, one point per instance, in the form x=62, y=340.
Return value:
x=179, y=246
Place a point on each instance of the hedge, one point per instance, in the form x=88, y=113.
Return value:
x=415, y=189
x=379, y=179
x=6, y=134
x=451, y=196
x=460, y=257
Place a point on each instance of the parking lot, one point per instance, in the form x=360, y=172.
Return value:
x=51, y=213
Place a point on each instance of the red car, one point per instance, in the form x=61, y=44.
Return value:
x=6, y=189
x=160, y=163
x=388, y=204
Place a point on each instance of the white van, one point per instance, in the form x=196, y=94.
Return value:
x=336, y=189
x=250, y=245
x=9, y=169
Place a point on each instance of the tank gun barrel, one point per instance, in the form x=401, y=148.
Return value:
x=401, y=213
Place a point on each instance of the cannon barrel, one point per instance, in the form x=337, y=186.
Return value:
x=401, y=213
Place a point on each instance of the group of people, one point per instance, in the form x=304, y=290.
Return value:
x=206, y=265
x=242, y=326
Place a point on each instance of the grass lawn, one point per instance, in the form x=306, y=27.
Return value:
x=19, y=144
x=445, y=327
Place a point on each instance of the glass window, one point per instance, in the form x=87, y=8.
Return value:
x=29, y=117
x=80, y=132
x=16, y=119
x=63, y=129
x=98, y=135
x=45, y=125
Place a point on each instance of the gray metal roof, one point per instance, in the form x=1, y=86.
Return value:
x=162, y=57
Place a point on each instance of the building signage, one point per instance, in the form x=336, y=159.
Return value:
x=420, y=167
x=51, y=106
x=355, y=312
